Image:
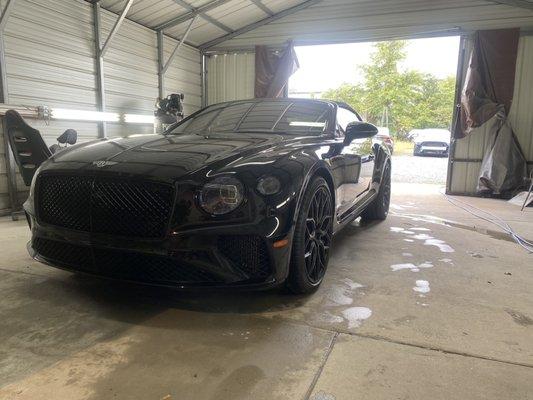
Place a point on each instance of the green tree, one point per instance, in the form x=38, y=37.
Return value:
x=406, y=99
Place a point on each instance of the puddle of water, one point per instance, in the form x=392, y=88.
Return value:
x=399, y=267
x=330, y=318
x=421, y=286
x=351, y=284
x=356, y=315
x=407, y=254
x=441, y=244
x=396, y=207
x=339, y=295
x=421, y=229
x=423, y=236
x=397, y=229
x=411, y=266
x=408, y=240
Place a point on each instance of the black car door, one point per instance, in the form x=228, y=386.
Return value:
x=358, y=163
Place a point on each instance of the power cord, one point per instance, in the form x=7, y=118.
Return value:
x=493, y=219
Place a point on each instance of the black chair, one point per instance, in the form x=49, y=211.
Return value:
x=29, y=148
x=69, y=137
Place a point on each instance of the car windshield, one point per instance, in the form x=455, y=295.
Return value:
x=286, y=116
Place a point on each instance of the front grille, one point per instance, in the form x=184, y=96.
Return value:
x=124, y=265
x=65, y=201
x=434, y=144
x=101, y=205
x=247, y=253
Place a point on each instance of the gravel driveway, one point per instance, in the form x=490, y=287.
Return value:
x=412, y=169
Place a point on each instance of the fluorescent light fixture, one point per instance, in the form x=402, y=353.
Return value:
x=83, y=115
x=139, y=119
x=308, y=124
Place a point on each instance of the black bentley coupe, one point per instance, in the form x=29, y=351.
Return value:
x=244, y=194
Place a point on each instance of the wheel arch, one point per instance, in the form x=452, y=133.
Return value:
x=322, y=171
x=382, y=158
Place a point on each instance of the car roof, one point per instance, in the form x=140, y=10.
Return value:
x=282, y=99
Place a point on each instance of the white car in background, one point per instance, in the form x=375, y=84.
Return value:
x=434, y=142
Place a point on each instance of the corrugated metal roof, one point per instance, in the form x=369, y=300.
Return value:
x=233, y=14
x=334, y=21
x=328, y=21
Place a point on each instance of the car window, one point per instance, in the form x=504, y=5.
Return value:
x=280, y=116
x=344, y=117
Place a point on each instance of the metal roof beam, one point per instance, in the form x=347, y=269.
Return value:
x=116, y=27
x=206, y=17
x=255, y=25
x=263, y=8
x=177, y=48
x=516, y=3
x=218, y=24
x=191, y=14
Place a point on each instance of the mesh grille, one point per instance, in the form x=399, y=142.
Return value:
x=248, y=253
x=118, y=207
x=434, y=144
x=65, y=253
x=122, y=264
x=149, y=268
x=65, y=201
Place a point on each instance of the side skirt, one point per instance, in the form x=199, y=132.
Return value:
x=353, y=213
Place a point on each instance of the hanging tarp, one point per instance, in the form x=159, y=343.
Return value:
x=489, y=80
x=504, y=166
x=273, y=70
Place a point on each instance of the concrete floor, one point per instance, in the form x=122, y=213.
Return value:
x=411, y=308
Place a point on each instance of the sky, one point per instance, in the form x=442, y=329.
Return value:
x=328, y=66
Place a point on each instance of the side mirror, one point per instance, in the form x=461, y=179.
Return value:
x=359, y=130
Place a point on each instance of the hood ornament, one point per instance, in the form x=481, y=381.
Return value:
x=104, y=163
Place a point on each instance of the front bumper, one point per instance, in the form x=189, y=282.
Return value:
x=225, y=256
x=432, y=150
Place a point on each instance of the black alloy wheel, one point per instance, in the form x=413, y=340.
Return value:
x=318, y=235
x=312, y=238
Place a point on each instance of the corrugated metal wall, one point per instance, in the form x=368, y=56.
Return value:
x=230, y=77
x=184, y=75
x=464, y=175
x=49, y=49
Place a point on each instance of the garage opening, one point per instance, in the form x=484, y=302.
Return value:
x=406, y=88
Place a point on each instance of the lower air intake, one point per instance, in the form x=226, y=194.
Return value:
x=247, y=253
x=118, y=264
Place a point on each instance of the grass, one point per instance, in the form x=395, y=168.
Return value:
x=403, y=148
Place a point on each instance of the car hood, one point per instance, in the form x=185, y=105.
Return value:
x=171, y=155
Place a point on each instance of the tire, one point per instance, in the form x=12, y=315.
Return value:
x=312, y=240
x=379, y=208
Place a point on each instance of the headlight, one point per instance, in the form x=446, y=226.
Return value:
x=268, y=185
x=221, y=196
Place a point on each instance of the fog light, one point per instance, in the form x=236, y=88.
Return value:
x=268, y=185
